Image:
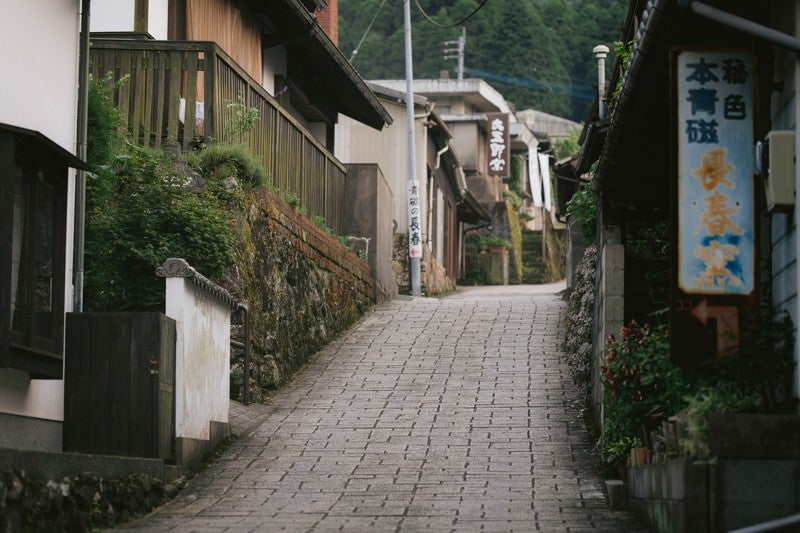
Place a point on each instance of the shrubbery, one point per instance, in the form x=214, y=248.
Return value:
x=144, y=207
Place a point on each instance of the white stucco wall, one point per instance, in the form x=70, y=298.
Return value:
x=119, y=15
x=40, y=76
x=40, y=93
x=112, y=15
x=202, y=358
x=357, y=143
x=158, y=19
x=273, y=63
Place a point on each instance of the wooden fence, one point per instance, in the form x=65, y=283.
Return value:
x=181, y=94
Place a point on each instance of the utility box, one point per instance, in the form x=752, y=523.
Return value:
x=119, y=384
x=780, y=158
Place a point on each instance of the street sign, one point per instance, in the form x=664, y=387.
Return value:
x=715, y=202
x=414, y=220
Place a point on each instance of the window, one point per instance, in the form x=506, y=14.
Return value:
x=33, y=209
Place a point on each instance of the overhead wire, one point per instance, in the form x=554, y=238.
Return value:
x=372, y=22
x=459, y=23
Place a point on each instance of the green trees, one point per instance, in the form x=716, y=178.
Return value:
x=541, y=48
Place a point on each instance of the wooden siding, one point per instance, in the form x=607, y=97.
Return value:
x=162, y=74
x=783, y=227
x=220, y=21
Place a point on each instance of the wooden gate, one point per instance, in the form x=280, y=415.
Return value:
x=119, y=384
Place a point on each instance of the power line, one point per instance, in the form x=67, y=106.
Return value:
x=579, y=91
x=374, y=18
x=459, y=23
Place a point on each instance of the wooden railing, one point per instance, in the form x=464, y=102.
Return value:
x=183, y=93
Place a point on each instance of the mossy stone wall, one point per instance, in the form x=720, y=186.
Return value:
x=301, y=285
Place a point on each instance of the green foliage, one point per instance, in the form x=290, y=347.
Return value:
x=105, y=120
x=513, y=204
x=622, y=50
x=141, y=209
x=547, y=42
x=292, y=199
x=320, y=222
x=582, y=208
x=762, y=367
x=514, y=199
x=515, y=183
x=568, y=146
x=647, y=249
x=720, y=399
x=617, y=451
x=580, y=322
x=219, y=162
x=241, y=119
x=641, y=385
x=141, y=212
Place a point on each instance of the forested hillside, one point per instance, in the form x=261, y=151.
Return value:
x=538, y=53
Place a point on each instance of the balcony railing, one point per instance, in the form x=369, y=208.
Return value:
x=182, y=93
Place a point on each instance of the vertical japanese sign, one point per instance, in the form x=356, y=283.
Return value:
x=414, y=220
x=499, y=145
x=716, y=206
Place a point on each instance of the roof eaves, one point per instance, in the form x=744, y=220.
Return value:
x=381, y=116
x=645, y=33
x=43, y=141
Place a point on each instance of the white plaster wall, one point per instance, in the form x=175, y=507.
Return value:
x=202, y=358
x=158, y=19
x=40, y=68
x=119, y=15
x=113, y=15
x=273, y=63
x=357, y=143
x=40, y=93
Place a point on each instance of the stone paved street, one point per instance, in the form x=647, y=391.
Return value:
x=453, y=414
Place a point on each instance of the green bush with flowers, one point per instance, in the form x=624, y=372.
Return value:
x=641, y=387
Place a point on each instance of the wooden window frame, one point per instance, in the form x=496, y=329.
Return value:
x=41, y=161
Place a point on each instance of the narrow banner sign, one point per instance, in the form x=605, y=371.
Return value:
x=414, y=220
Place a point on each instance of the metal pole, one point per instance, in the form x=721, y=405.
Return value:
x=600, y=52
x=247, y=354
x=461, y=43
x=80, y=177
x=414, y=262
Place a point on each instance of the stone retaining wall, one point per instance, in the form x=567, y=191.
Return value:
x=301, y=285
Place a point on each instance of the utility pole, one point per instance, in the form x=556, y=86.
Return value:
x=458, y=51
x=414, y=212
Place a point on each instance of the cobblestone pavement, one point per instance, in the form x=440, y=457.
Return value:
x=452, y=414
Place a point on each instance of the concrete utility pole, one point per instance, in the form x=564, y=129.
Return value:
x=601, y=52
x=414, y=218
x=459, y=51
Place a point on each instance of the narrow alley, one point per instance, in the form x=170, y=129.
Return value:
x=452, y=414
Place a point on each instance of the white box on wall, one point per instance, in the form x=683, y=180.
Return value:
x=779, y=185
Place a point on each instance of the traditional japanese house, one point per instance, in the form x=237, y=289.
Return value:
x=38, y=125
x=193, y=65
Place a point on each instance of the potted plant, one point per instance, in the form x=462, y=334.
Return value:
x=496, y=244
